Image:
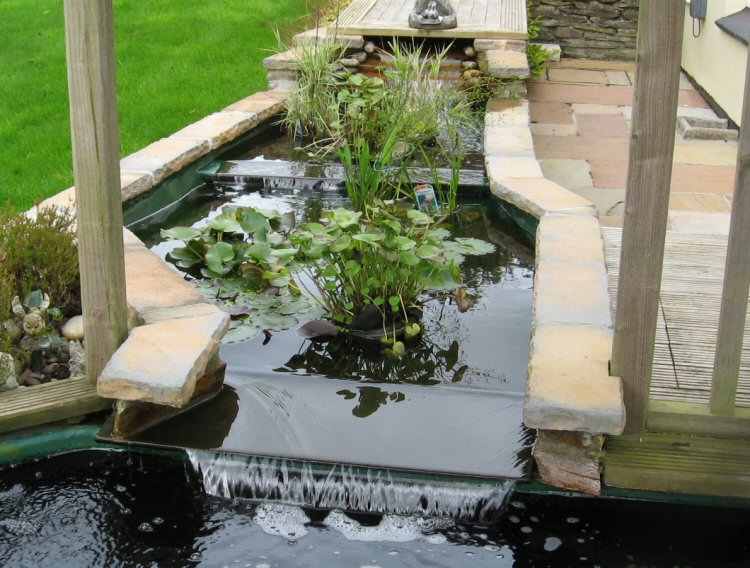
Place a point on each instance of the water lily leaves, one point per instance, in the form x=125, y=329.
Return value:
x=341, y=244
x=471, y=246
x=240, y=332
x=404, y=243
x=181, y=233
x=409, y=258
x=217, y=255
x=252, y=220
x=428, y=251
x=225, y=224
x=345, y=218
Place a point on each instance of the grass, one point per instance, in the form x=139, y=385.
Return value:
x=177, y=61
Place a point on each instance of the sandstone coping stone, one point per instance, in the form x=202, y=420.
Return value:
x=507, y=112
x=179, y=312
x=66, y=198
x=508, y=141
x=569, y=238
x=537, y=196
x=219, y=128
x=568, y=292
x=514, y=167
x=134, y=184
x=152, y=285
x=165, y=157
x=161, y=362
x=265, y=104
x=284, y=61
x=129, y=240
x=499, y=45
x=569, y=386
x=504, y=64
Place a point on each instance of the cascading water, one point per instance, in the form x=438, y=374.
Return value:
x=348, y=488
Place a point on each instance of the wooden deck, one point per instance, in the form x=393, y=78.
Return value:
x=688, y=317
x=477, y=19
x=50, y=402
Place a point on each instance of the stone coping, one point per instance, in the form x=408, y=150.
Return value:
x=177, y=331
x=146, y=168
x=569, y=387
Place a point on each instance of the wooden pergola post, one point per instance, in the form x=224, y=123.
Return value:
x=660, y=25
x=89, y=26
x=736, y=277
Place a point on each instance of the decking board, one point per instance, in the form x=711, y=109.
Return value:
x=477, y=19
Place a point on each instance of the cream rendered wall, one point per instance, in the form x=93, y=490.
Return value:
x=716, y=60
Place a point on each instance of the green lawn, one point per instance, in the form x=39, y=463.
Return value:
x=177, y=61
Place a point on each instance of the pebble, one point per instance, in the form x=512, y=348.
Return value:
x=73, y=329
x=469, y=64
x=360, y=56
x=469, y=51
x=349, y=62
x=369, y=47
x=471, y=73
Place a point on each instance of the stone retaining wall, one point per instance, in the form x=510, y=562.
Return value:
x=597, y=29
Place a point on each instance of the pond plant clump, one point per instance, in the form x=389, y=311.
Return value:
x=39, y=293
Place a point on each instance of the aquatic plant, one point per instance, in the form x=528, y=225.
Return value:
x=379, y=263
x=244, y=248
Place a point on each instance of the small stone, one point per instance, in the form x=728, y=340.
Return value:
x=360, y=56
x=469, y=64
x=370, y=47
x=471, y=74
x=349, y=62
x=77, y=361
x=469, y=51
x=8, y=379
x=73, y=329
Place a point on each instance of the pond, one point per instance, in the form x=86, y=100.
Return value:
x=345, y=400
x=111, y=508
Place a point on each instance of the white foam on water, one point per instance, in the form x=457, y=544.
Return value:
x=281, y=520
x=391, y=528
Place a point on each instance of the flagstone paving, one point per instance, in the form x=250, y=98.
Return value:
x=581, y=115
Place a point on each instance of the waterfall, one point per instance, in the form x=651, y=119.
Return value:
x=349, y=488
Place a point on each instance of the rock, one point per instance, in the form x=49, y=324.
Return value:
x=73, y=329
x=469, y=64
x=12, y=330
x=369, y=47
x=8, y=379
x=77, y=361
x=349, y=62
x=471, y=74
x=469, y=51
x=360, y=56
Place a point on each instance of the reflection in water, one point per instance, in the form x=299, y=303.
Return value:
x=370, y=399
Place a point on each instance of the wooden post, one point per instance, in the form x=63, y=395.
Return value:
x=736, y=277
x=660, y=24
x=95, y=134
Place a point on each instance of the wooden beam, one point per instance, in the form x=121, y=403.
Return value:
x=95, y=134
x=647, y=200
x=736, y=277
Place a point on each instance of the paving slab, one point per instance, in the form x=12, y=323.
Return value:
x=551, y=113
x=219, y=128
x=590, y=108
x=618, y=78
x=608, y=202
x=602, y=126
x=706, y=153
x=571, y=174
x=706, y=202
x=554, y=130
x=583, y=148
x=165, y=157
x=577, y=76
x=695, y=178
x=610, y=173
x=699, y=222
x=595, y=64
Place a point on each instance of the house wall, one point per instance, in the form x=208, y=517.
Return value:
x=715, y=60
x=603, y=29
